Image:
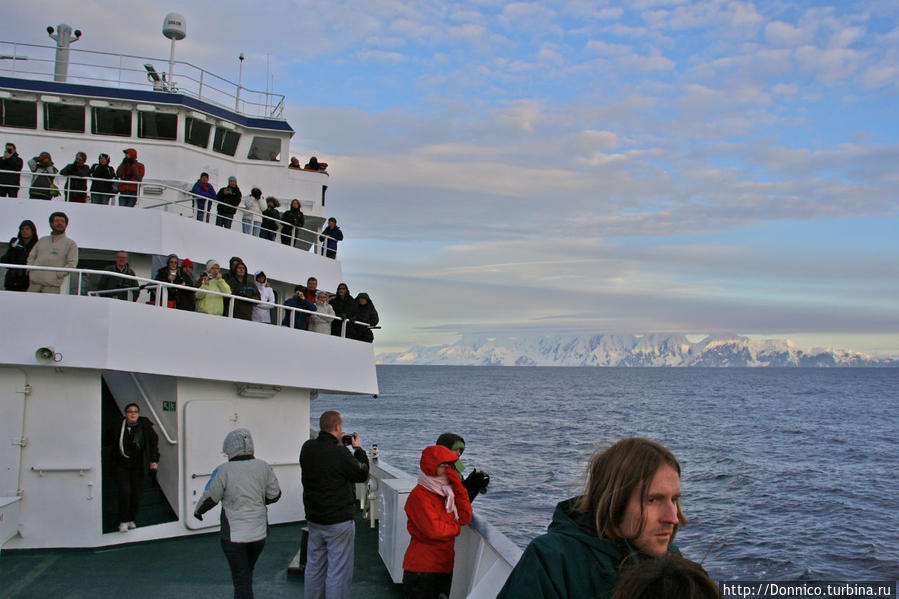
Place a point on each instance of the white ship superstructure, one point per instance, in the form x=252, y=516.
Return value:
x=196, y=376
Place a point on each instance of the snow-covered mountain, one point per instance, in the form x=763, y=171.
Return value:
x=629, y=350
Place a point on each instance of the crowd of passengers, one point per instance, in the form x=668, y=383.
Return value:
x=210, y=293
x=260, y=218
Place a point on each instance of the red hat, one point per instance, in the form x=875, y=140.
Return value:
x=186, y=262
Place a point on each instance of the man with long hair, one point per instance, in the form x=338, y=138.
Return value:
x=629, y=512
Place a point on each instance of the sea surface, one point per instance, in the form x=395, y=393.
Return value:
x=788, y=474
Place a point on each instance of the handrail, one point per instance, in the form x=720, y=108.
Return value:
x=79, y=469
x=129, y=70
x=143, y=394
x=317, y=242
x=164, y=287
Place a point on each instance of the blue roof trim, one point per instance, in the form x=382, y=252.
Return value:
x=136, y=95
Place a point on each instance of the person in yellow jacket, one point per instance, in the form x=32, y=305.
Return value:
x=212, y=281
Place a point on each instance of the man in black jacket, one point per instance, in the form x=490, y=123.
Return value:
x=10, y=161
x=328, y=474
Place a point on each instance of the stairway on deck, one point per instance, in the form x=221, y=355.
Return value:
x=154, y=507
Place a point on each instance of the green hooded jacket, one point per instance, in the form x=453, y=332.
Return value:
x=569, y=561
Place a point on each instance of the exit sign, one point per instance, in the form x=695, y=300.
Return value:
x=168, y=406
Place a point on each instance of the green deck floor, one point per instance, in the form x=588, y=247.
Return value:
x=190, y=567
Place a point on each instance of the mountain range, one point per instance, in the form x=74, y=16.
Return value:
x=662, y=350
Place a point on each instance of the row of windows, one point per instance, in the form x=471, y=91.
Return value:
x=150, y=125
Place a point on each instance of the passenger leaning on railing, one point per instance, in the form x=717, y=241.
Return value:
x=204, y=188
x=211, y=280
x=17, y=253
x=293, y=216
x=365, y=312
x=242, y=285
x=344, y=306
x=297, y=301
x=270, y=218
x=101, y=191
x=110, y=281
x=184, y=299
x=42, y=186
x=77, y=173
x=253, y=206
x=263, y=312
x=53, y=250
x=130, y=172
x=320, y=324
x=10, y=161
x=229, y=199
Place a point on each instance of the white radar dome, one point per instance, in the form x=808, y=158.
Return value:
x=174, y=26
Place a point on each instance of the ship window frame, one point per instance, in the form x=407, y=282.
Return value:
x=62, y=107
x=264, y=144
x=7, y=103
x=189, y=124
x=114, y=131
x=225, y=141
x=173, y=117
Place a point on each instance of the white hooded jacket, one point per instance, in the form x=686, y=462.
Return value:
x=263, y=312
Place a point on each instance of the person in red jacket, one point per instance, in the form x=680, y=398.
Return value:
x=436, y=510
x=130, y=173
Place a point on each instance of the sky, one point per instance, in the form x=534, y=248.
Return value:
x=498, y=168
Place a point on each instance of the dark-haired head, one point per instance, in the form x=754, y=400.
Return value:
x=670, y=577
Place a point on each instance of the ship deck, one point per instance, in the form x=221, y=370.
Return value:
x=186, y=567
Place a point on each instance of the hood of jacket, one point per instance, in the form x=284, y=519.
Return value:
x=131, y=153
x=579, y=529
x=238, y=443
x=433, y=456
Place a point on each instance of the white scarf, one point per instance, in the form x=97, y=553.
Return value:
x=439, y=485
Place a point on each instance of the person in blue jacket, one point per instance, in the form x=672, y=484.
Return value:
x=298, y=301
x=331, y=235
x=204, y=188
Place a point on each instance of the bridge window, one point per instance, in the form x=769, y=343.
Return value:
x=19, y=113
x=153, y=125
x=265, y=148
x=196, y=132
x=225, y=141
x=64, y=117
x=110, y=121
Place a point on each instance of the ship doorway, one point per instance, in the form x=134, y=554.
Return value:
x=154, y=506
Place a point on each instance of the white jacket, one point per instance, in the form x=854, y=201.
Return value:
x=263, y=312
x=320, y=324
x=252, y=209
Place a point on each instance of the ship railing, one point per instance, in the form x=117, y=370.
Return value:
x=149, y=197
x=159, y=291
x=36, y=61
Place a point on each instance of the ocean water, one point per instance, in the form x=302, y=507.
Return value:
x=787, y=473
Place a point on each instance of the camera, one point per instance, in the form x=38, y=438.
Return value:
x=347, y=440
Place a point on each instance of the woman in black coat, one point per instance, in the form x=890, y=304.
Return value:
x=135, y=452
x=77, y=173
x=295, y=217
x=344, y=307
x=17, y=253
x=365, y=312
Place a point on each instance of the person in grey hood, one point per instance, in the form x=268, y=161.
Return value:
x=245, y=485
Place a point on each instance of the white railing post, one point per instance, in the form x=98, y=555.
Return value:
x=343, y=328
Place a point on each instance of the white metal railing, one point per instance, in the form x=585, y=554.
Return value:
x=37, y=61
x=189, y=200
x=161, y=290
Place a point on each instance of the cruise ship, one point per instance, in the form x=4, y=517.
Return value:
x=71, y=362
